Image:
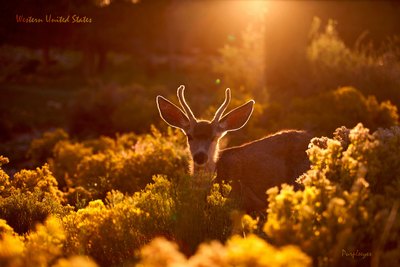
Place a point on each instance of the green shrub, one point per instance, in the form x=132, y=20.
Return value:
x=186, y=213
x=30, y=197
x=159, y=202
x=372, y=70
x=108, y=234
x=4, y=178
x=23, y=210
x=202, y=214
x=111, y=231
x=41, y=148
x=43, y=246
x=120, y=108
x=125, y=163
x=347, y=106
x=41, y=180
x=66, y=156
x=348, y=196
x=128, y=170
x=358, y=153
x=180, y=210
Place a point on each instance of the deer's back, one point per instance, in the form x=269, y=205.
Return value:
x=262, y=164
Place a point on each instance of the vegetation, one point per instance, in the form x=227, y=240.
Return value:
x=349, y=197
x=90, y=177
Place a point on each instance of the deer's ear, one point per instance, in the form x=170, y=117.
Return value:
x=171, y=114
x=236, y=118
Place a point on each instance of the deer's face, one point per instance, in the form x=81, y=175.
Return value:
x=202, y=135
x=203, y=142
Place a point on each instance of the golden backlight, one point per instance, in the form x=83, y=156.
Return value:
x=254, y=8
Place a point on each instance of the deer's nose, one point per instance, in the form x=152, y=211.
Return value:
x=200, y=158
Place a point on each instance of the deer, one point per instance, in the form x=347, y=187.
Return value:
x=252, y=168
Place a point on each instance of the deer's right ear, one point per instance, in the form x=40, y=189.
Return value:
x=171, y=114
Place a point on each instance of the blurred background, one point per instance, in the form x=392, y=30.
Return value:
x=313, y=65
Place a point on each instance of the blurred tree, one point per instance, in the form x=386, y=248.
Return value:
x=121, y=25
x=287, y=35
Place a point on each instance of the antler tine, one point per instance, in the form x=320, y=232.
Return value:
x=224, y=105
x=182, y=101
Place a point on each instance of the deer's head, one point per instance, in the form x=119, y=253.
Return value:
x=203, y=135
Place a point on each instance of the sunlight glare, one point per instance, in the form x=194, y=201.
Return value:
x=256, y=8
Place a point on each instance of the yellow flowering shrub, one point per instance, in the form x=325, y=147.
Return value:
x=75, y=261
x=44, y=245
x=110, y=232
x=4, y=178
x=161, y=252
x=348, y=195
x=29, y=198
x=11, y=246
x=158, y=201
x=246, y=252
x=345, y=214
x=66, y=155
x=202, y=214
x=254, y=251
x=40, y=179
x=125, y=163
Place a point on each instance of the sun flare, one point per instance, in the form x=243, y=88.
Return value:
x=255, y=8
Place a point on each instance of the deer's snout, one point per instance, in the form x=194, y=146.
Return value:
x=200, y=158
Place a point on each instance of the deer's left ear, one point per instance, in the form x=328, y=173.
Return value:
x=237, y=118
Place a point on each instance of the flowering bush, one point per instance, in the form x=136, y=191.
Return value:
x=202, y=214
x=44, y=245
x=11, y=246
x=29, y=198
x=345, y=214
x=94, y=167
x=109, y=235
x=348, y=196
x=251, y=251
x=111, y=231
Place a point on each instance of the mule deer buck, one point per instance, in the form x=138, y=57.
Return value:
x=253, y=167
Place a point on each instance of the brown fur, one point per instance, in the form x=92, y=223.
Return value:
x=257, y=166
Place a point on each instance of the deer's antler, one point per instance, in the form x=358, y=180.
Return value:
x=185, y=106
x=223, y=107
